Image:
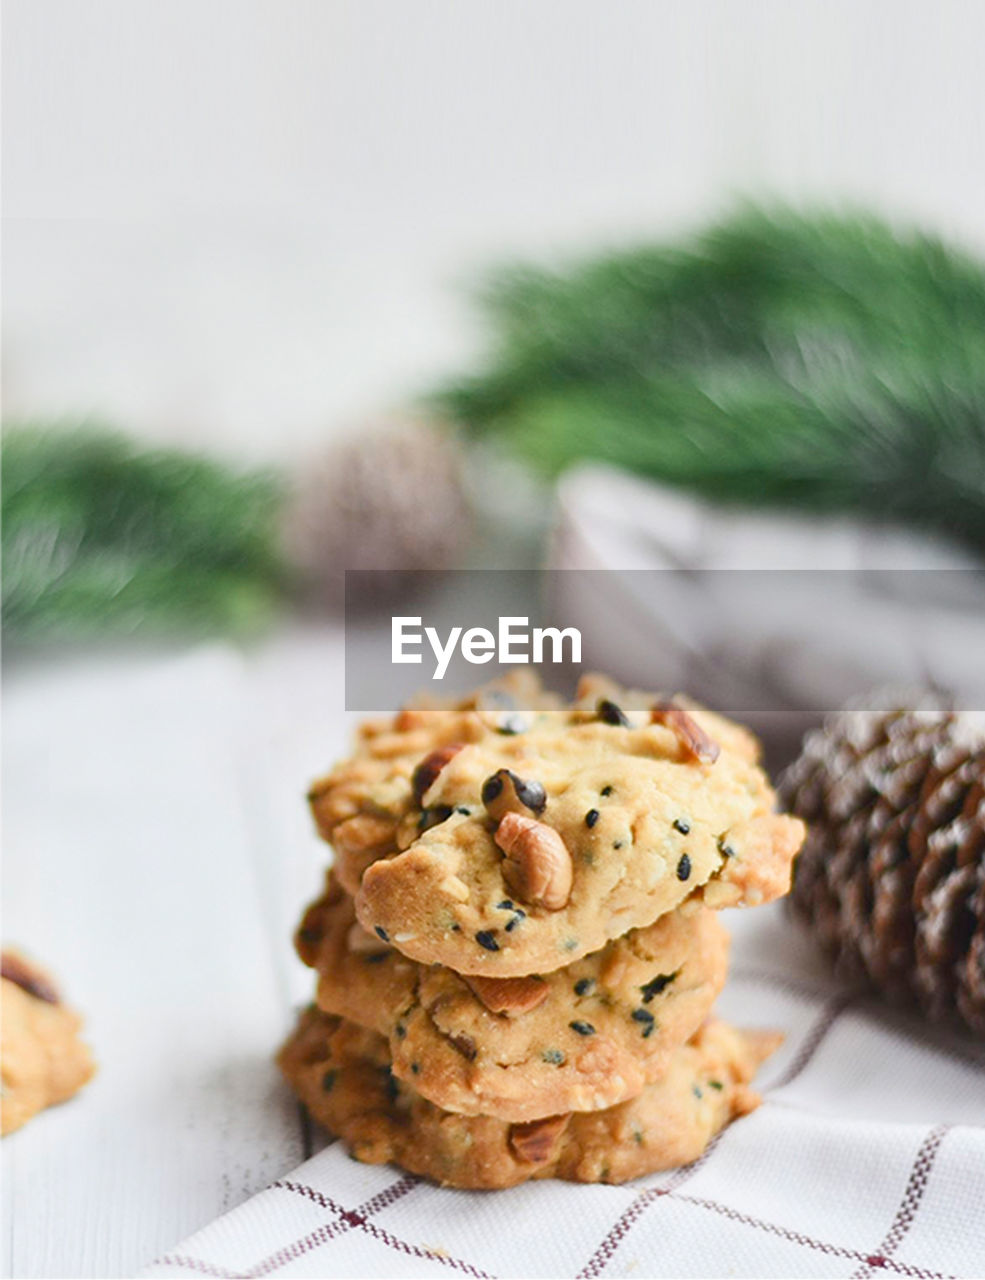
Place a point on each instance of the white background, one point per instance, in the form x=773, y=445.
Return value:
x=246, y=223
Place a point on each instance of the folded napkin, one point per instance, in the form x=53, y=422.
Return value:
x=867, y=1157
x=762, y=612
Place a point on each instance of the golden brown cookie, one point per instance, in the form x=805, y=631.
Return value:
x=510, y=853
x=580, y=1038
x=43, y=1059
x=342, y=1074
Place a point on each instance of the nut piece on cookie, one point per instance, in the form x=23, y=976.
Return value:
x=535, y=1142
x=511, y=997
x=538, y=865
x=696, y=744
x=427, y=771
x=43, y=1060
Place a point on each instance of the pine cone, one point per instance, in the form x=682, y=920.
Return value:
x=391, y=499
x=892, y=876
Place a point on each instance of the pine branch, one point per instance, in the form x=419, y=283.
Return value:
x=825, y=363
x=100, y=536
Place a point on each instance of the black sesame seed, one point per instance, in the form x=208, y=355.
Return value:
x=611, y=714
x=683, y=827
x=485, y=939
x=584, y=986
x=512, y=923
x=382, y=933
x=530, y=793
x=684, y=867
x=725, y=849
x=591, y=817
x=642, y=1015
x=376, y=957
x=618, y=844
x=505, y=905
x=391, y=1085
x=328, y=1080
x=656, y=985
x=606, y=791
x=456, y=928
x=463, y=809
x=433, y=817
x=400, y=1030
x=583, y=1028
x=554, y=1056
x=512, y=725
x=415, y=1068
x=648, y=1029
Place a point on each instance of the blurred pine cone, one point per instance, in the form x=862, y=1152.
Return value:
x=891, y=879
x=390, y=499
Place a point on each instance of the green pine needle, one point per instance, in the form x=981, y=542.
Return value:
x=101, y=536
x=825, y=363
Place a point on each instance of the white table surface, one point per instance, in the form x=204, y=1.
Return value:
x=157, y=853
x=157, y=850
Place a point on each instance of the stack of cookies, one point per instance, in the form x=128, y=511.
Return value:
x=518, y=946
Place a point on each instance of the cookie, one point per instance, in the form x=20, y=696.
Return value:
x=342, y=1074
x=43, y=1059
x=581, y=1038
x=511, y=853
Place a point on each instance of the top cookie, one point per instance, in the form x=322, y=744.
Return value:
x=518, y=851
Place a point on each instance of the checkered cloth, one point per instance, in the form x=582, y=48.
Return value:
x=866, y=1157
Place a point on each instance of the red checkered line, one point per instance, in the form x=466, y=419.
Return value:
x=344, y=1220
x=600, y=1258
x=912, y=1198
